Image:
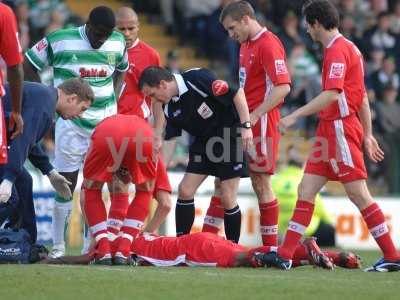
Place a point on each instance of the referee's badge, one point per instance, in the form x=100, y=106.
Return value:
x=220, y=87
x=205, y=111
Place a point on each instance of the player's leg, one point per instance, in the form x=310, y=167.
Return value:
x=359, y=194
x=138, y=211
x=232, y=214
x=184, y=209
x=119, y=199
x=70, y=148
x=215, y=212
x=269, y=207
x=96, y=216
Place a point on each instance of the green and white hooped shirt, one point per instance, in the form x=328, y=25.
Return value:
x=70, y=54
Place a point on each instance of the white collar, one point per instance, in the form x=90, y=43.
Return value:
x=257, y=36
x=182, y=88
x=333, y=40
x=135, y=43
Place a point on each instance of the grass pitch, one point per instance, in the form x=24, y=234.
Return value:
x=96, y=282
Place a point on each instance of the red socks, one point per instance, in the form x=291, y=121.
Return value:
x=117, y=213
x=133, y=223
x=269, y=213
x=96, y=216
x=376, y=223
x=214, y=217
x=297, y=226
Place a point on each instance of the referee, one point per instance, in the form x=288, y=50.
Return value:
x=217, y=118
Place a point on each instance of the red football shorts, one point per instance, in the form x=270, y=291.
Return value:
x=337, y=151
x=121, y=141
x=198, y=249
x=3, y=137
x=266, y=138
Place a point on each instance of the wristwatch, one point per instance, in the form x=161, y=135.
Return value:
x=246, y=125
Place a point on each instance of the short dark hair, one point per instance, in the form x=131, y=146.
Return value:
x=78, y=86
x=322, y=11
x=102, y=16
x=237, y=10
x=152, y=76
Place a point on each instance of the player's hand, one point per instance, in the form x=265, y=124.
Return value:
x=286, y=122
x=247, y=138
x=254, y=116
x=5, y=190
x=60, y=184
x=16, y=124
x=157, y=143
x=374, y=152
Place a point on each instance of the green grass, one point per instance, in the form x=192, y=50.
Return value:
x=95, y=282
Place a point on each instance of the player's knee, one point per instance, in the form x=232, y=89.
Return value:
x=185, y=191
x=164, y=200
x=360, y=199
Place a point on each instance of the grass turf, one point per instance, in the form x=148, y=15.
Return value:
x=96, y=282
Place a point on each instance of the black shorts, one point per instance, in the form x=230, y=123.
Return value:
x=201, y=164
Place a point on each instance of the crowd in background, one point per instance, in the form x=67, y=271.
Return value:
x=373, y=25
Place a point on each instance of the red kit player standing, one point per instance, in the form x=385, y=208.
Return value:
x=344, y=128
x=10, y=51
x=265, y=79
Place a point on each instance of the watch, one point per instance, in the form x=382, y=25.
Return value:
x=246, y=125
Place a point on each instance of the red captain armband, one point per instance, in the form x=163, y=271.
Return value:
x=220, y=87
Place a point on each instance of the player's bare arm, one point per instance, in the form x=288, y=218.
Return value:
x=374, y=152
x=241, y=106
x=278, y=93
x=118, y=80
x=15, y=78
x=159, y=124
x=314, y=106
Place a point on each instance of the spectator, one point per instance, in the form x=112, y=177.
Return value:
x=375, y=60
x=173, y=62
x=387, y=75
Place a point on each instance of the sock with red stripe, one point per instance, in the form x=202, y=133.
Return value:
x=96, y=215
x=214, y=216
x=134, y=220
x=269, y=213
x=297, y=226
x=376, y=223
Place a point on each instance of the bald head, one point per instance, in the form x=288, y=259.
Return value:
x=127, y=22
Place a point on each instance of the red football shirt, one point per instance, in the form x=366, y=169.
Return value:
x=262, y=66
x=10, y=48
x=343, y=70
x=132, y=101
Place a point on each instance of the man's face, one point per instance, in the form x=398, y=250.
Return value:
x=69, y=106
x=312, y=31
x=97, y=35
x=129, y=27
x=237, y=30
x=159, y=93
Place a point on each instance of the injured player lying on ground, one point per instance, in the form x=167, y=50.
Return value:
x=209, y=250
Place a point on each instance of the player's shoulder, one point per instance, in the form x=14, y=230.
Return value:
x=117, y=36
x=198, y=74
x=65, y=34
x=149, y=49
x=5, y=11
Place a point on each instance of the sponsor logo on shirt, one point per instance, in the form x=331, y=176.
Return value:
x=42, y=44
x=337, y=70
x=220, y=87
x=205, y=111
x=83, y=72
x=280, y=67
x=111, y=58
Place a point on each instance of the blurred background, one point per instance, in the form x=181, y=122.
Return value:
x=187, y=34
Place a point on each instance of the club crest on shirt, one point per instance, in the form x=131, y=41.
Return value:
x=220, y=87
x=111, y=58
x=280, y=67
x=337, y=70
x=205, y=111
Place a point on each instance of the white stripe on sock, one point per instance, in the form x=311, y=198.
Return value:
x=212, y=221
x=269, y=230
x=379, y=230
x=133, y=223
x=297, y=227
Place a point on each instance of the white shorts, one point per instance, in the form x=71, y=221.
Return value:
x=71, y=145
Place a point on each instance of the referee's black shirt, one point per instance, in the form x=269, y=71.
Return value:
x=203, y=108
